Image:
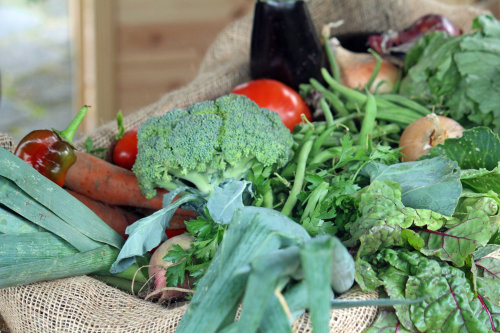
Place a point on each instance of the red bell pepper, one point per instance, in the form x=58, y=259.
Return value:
x=51, y=152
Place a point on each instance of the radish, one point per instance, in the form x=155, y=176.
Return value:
x=158, y=267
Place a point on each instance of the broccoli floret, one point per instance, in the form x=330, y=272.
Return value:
x=209, y=142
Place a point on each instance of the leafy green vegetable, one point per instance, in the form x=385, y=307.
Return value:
x=386, y=322
x=146, y=233
x=444, y=73
x=482, y=180
x=315, y=256
x=253, y=232
x=41, y=230
x=431, y=184
x=195, y=260
x=381, y=205
x=478, y=148
x=11, y=223
x=449, y=303
x=458, y=242
x=226, y=199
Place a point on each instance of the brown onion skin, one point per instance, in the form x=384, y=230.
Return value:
x=356, y=69
x=358, y=75
x=426, y=132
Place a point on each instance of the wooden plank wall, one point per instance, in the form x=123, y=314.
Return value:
x=160, y=44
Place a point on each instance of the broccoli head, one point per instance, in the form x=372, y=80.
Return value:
x=209, y=142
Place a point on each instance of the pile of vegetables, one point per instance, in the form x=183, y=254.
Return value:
x=286, y=200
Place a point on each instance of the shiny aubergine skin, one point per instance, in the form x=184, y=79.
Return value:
x=284, y=43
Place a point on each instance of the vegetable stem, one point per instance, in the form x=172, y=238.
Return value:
x=68, y=133
x=368, y=121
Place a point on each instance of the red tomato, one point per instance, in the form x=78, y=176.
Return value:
x=278, y=97
x=125, y=150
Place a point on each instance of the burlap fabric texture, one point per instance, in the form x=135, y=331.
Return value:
x=83, y=304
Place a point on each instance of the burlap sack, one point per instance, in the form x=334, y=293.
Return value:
x=83, y=304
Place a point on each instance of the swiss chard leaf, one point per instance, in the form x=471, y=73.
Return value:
x=460, y=241
x=386, y=322
x=449, y=304
x=381, y=204
x=432, y=184
x=488, y=284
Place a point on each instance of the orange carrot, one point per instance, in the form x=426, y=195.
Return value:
x=100, y=180
x=109, y=183
x=116, y=217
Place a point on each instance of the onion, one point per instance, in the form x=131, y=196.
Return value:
x=426, y=132
x=356, y=69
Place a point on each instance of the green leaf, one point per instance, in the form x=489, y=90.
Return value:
x=314, y=254
x=448, y=305
x=29, y=247
x=365, y=275
x=381, y=205
x=12, y=223
x=148, y=232
x=488, y=267
x=443, y=73
x=176, y=274
x=482, y=180
x=432, y=184
x=29, y=208
x=266, y=271
x=99, y=152
x=488, y=295
x=460, y=241
x=379, y=237
x=478, y=148
x=226, y=199
x=386, y=322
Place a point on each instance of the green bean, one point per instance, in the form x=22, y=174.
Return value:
x=368, y=121
x=335, y=101
x=334, y=67
x=378, y=64
x=406, y=102
x=352, y=94
x=327, y=112
x=299, y=178
x=347, y=92
x=399, y=115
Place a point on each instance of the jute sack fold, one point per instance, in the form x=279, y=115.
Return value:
x=83, y=304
